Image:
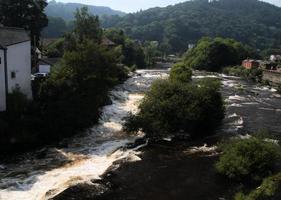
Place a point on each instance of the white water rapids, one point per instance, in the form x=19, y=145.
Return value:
x=86, y=157
x=44, y=174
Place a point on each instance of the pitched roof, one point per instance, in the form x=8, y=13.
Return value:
x=107, y=42
x=10, y=36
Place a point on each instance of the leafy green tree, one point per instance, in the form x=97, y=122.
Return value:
x=185, y=23
x=132, y=51
x=253, y=158
x=28, y=14
x=170, y=107
x=214, y=54
x=180, y=72
x=56, y=28
x=269, y=189
x=151, y=50
x=87, y=26
x=56, y=49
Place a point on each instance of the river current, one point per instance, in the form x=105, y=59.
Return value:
x=47, y=172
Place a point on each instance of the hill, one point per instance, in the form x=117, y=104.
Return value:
x=253, y=22
x=66, y=10
x=61, y=15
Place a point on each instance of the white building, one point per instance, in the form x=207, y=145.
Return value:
x=45, y=64
x=15, y=63
x=275, y=58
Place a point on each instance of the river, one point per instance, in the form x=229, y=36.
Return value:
x=48, y=172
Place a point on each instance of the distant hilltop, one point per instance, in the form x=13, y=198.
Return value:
x=252, y=22
x=66, y=10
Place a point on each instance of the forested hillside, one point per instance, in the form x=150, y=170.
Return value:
x=61, y=16
x=253, y=22
x=66, y=10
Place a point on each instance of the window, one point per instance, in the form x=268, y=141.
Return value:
x=13, y=74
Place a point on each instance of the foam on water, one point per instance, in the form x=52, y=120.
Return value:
x=87, y=157
x=205, y=76
x=236, y=98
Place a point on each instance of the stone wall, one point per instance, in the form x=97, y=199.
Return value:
x=272, y=76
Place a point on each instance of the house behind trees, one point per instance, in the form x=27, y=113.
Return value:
x=249, y=63
x=15, y=63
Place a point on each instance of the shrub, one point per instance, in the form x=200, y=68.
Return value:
x=267, y=190
x=252, y=158
x=253, y=74
x=172, y=106
x=215, y=54
x=181, y=72
x=56, y=49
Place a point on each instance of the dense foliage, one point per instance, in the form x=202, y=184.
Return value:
x=254, y=74
x=129, y=52
x=132, y=51
x=253, y=158
x=214, y=54
x=56, y=49
x=61, y=16
x=69, y=100
x=180, y=72
x=66, y=10
x=57, y=27
x=171, y=107
x=27, y=14
x=253, y=22
x=269, y=189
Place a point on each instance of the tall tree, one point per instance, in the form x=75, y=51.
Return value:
x=87, y=26
x=27, y=14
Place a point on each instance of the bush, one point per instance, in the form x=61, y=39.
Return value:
x=252, y=158
x=172, y=106
x=181, y=72
x=267, y=190
x=56, y=49
x=215, y=54
x=254, y=74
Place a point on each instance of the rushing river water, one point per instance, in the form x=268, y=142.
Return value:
x=46, y=173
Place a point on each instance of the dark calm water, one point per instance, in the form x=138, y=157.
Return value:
x=44, y=174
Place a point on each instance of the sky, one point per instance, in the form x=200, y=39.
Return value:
x=136, y=5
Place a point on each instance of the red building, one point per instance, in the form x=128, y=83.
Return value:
x=249, y=64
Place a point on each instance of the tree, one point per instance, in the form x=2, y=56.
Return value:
x=253, y=158
x=170, y=107
x=185, y=23
x=214, y=54
x=132, y=51
x=180, y=72
x=87, y=26
x=27, y=14
x=150, y=51
x=56, y=28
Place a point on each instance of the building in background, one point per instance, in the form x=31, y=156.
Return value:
x=250, y=63
x=15, y=63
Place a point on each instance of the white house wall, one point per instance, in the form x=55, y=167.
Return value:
x=44, y=68
x=2, y=82
x=19, y=62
